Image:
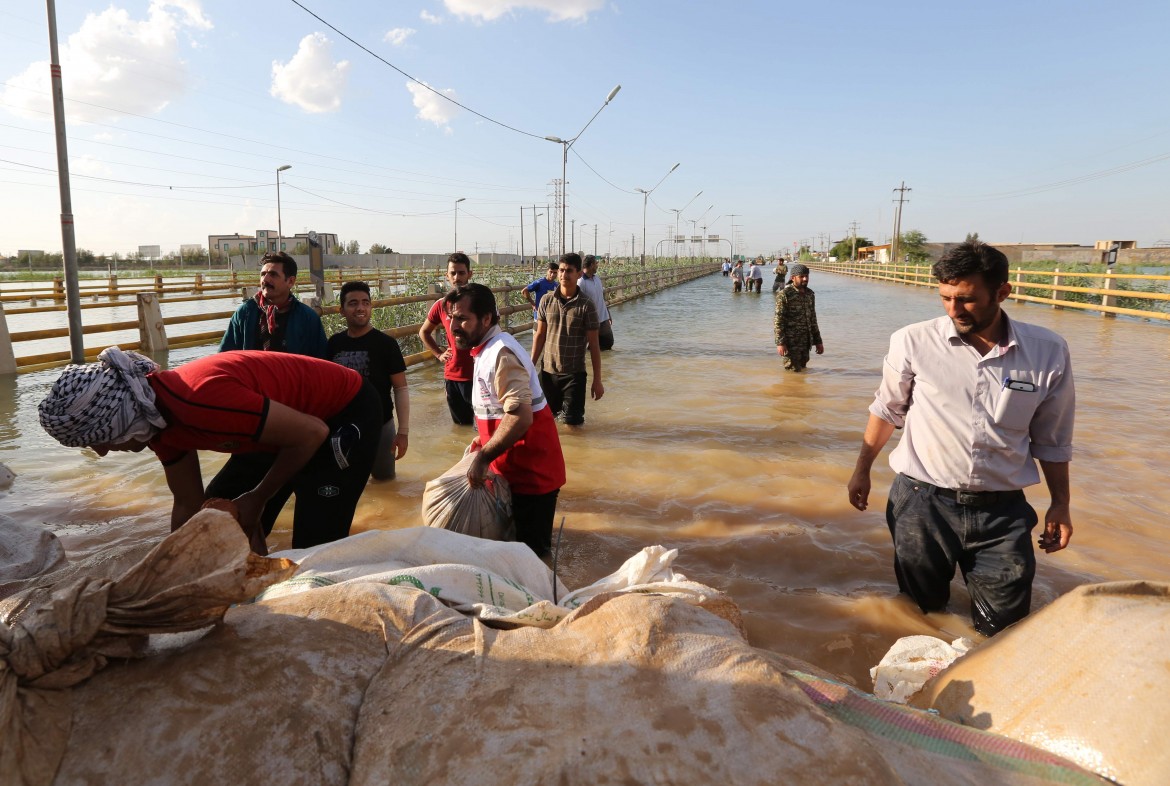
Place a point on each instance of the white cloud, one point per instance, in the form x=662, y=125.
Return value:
x=557, y=10
x=398, y=36
x=430, y=18
x=431, y=107
x=311, y=80
x=88, y=165
x=120, y=63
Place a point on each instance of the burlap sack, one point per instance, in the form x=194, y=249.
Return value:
x=1087, y=677
x=69, y=632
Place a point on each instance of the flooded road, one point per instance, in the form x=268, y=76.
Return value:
x=703, y=443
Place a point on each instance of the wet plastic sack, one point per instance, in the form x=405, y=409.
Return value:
x=911, y=662
x=450, y=502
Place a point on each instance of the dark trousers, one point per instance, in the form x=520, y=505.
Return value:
x=459, y=402
x=533, y=514
x=991, y=544
x=327, y=495
x=566, y=395
x=605, y=336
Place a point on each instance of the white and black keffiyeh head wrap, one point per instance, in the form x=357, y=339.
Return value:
x=103, y=403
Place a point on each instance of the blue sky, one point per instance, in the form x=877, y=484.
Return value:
x=1024, y=121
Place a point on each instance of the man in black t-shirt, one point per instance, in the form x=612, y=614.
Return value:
x=375, y=356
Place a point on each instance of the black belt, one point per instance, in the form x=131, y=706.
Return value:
x=971, y=499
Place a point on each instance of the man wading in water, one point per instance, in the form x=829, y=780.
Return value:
x=982, y=398
x=796, y=321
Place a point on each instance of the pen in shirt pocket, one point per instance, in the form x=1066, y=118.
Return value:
x=1017, y=384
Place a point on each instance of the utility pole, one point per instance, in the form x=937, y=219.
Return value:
x=68, y=237
x=595, y=240
x=853, y=234
x=573, y=237
x=897, y=239
x=558, y=198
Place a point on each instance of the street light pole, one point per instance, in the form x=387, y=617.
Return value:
x=279, y=225
x=646, y=198
x=676, y=212
x=696, y=221
x=457, y=201
x=565, y=145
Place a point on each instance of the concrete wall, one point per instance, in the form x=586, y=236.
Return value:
x=1080, y=255
x=1144, y=256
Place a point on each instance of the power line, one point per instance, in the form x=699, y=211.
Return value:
x=411, y=78
x=365, y=164
x=594, y=171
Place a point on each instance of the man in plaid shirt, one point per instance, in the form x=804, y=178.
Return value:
x=567, y=326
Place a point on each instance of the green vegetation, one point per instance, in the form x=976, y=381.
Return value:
x=418, y=282
x=1090, y=277
x=844, y=249
x=913, y=245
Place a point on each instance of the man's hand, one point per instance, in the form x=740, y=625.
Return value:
x=859, y=489
x=597, y=390
x=250, y=506
x=401, y=443
x=478, y=469
x=782, y=349
x=820, y=349
x=445, y=356
x=1057, y=529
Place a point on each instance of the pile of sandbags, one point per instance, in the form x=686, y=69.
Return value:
x=1087, y=677
x=348, y=675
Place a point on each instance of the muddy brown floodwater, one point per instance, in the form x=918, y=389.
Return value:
x=703, y=443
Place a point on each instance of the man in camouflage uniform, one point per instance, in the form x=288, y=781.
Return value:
x=796, y=321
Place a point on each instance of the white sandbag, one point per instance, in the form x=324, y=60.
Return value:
x=910, y=662
x=1086, y=678
x=504, y=583
x=451, y=502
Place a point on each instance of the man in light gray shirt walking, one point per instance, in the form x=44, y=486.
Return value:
x=590, y=284
x=982, y=398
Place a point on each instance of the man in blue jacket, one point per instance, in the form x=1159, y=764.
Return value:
x=274, y=320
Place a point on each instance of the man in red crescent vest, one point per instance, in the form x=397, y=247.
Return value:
x=517, y=433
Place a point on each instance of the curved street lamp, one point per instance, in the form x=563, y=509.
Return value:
x=565, y=145
x=645, y=198
x=279, y=226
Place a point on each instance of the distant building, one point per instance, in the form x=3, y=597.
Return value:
x=877, y=254
x=266, y=240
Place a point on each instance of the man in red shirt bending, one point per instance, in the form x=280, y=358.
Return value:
x=317, y=422
x=457, y=362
